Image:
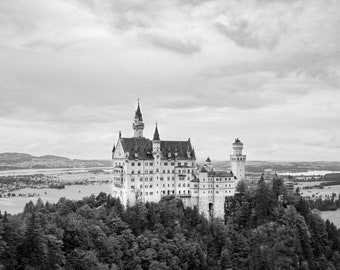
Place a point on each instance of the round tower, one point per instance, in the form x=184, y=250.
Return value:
x=238, y=160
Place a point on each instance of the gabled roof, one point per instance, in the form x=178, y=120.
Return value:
x=208, y=160
x=140, y=146
x=177, y=149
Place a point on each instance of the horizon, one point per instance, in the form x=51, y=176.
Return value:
x=264, y=71
x=197, y=159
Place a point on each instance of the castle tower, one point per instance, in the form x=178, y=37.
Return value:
x=138, y=124
x=238, y=160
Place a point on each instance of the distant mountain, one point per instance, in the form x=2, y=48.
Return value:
x=11, y=161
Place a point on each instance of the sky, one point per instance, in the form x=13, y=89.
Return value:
x=268, y=72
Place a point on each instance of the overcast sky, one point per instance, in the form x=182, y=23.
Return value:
x=268, y=72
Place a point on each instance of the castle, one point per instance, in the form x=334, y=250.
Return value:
x=148, y=170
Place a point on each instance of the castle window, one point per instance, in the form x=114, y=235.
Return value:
x=151, y=172
x=146, y=186
x=216, y=191
x=141, y=186
x=163, y=171
x=179, y=192
x=173, y=178
x=172, y=185
x=132, y=187
x=132, y=164
x=157, y=170
x=138, y=163
x=179, y=171
x=188, y=170
x=168, y=178
x=216, y=185
x=146, y=164
x=164, y=185
x=195, y=192
x=150, y=178
x=150, y=186
x=168, y=171
x=188, y=191
x=172, y=163
x=203, y=192
x=161, y=178
x=132, y=180
x=179, y=185
x=178, y=163
x=146, y=193
x=151, y=193
x=165, y=163
x=151, y=164
x=195, y=185
x=183, y=185
x=132, y=172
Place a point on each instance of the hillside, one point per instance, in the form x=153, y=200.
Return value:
x=266, y=228
x=11, y=161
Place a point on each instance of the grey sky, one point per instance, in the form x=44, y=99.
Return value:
x=265, y=71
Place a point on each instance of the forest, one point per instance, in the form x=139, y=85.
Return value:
x=265, y=227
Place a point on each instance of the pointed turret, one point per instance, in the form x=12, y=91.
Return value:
x=138, y=125
x=156, y=134
x=156, y=142
x=138, y=113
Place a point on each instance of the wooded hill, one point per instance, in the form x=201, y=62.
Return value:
x=266, y=228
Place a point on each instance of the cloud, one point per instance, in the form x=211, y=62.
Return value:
x=266, y=71
x=177, y=45
x=244, y=34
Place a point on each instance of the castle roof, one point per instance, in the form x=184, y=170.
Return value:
x=219, y=174
x=140, y=146
x=208, y=160
x=169, y=149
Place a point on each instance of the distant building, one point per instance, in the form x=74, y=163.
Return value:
x=146, y=170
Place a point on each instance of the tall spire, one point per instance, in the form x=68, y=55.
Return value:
x=156, y=134
x=138, y=114
x=138, y=124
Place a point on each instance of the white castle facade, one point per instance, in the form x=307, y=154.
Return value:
x=148, y=170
